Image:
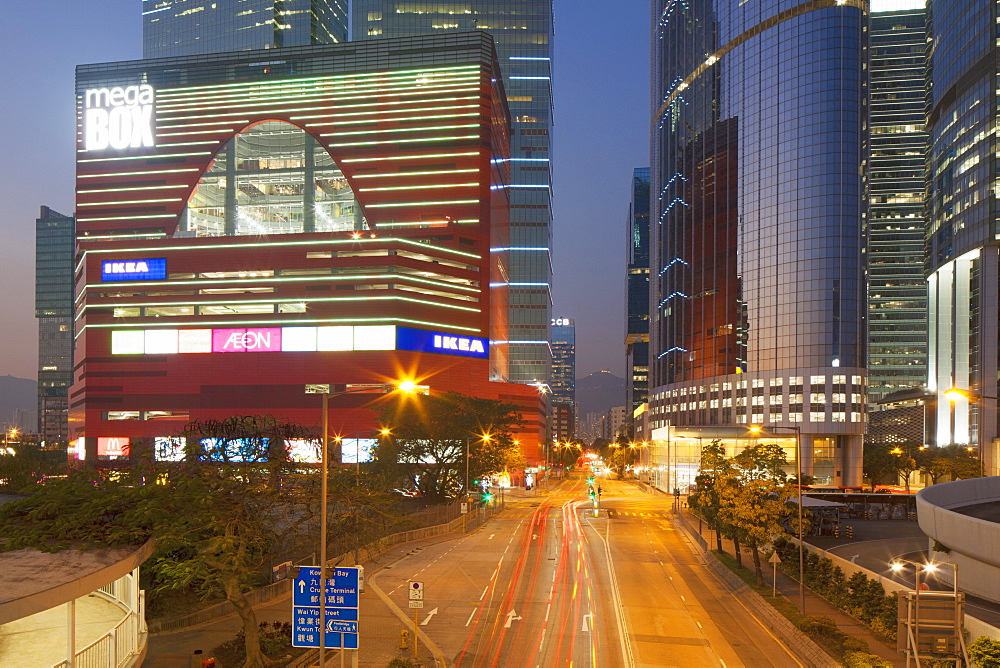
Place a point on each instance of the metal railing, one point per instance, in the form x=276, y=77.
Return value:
x=120, y=646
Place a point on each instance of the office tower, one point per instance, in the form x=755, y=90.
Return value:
x=757, y=304
x=523, y=33
x=562, y=399
x=897, y=291
x=963, y=228
x=55, y=244
x=186, y=27
x=322, y=222
x=637, y=295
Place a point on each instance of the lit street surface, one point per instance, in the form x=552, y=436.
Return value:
x=534, y=587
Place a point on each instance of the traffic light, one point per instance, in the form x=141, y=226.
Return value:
x=590, y=480
x=487, y=497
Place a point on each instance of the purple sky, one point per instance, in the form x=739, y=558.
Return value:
x=601, y=133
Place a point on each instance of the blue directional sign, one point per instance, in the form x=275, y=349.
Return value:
x=342, y=603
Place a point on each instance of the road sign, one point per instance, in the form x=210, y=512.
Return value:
x=775, y=559
x=465, y=508
x=341, y=594
x=416, y=590
x=416, y=604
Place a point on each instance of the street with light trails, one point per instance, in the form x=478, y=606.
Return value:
x=548, y=583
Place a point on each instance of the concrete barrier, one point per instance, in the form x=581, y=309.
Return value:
x=972, y=544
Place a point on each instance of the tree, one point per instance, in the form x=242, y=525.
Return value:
x=712, y=470
x=880, y=466
x=753, y=496
x=22, y=466
x=431, y=434
x=217, y=519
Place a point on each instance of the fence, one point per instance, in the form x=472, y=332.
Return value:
x=120, y=646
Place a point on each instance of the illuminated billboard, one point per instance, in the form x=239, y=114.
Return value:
x=294, y=339
x=355, y=450
x=168, y=449
x=423, y=341
x=114, y=447
x=150, y=269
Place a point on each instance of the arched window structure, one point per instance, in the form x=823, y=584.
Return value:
x=272, y=178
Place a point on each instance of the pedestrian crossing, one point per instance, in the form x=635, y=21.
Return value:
x=612, y=514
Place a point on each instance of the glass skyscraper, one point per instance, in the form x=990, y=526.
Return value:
x=897, y=291
x=523, y=32
x=187, y=27
x=963, y=226
x=637, y=295
x=757, y=304
x=55, y=248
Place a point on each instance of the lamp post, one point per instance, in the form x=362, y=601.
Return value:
x=798, y=479
x=384, y=431
x=324, y=390
x=486, y=438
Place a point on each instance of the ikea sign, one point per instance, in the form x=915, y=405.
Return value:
x=422, y=341
x=152, y=269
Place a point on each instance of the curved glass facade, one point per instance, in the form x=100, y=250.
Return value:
x=757, y=298
x=963, y=230
x=273, y=178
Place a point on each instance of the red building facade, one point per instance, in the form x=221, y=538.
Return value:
x=252, y=223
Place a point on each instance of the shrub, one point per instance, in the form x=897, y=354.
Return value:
x=985, y=653
x=400, y=663
x=864, y=660
x=275, y=642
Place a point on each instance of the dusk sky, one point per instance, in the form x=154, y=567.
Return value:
x=601, y=132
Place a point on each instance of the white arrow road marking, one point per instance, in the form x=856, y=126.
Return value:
x=491, y=536
x=511, y=617
x=429, y=615
x=534, y=536
x=586, y=626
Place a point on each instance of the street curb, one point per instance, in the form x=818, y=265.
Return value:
x=796, y=641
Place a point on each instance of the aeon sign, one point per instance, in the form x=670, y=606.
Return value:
x=262, y=340
x=119, y=117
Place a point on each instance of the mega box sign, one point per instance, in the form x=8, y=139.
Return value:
x=119, y=117
x=149, y=269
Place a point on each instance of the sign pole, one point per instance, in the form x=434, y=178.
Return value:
x=416, y=638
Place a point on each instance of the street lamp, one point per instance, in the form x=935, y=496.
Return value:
x=798, y=478
x=955, y=394
x=324, y=389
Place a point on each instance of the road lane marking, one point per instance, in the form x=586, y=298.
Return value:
x=471, y=614
x=548, y=608
x=699, y=625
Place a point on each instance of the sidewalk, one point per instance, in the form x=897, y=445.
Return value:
x=381, y=625
x=816, y=606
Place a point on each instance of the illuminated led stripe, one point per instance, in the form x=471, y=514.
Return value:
x=383, y=75
x=454, y=307
x=381, y=107
x=423, y=128
x=410, y=140
x=117, y=190
x=443, y=171
x=216, y=282
x=157, y=171
x=519, y=248
x=301, y=94
x=193, y=132
x=427, y=223
x=380, y=113
x=401, y=118
x=435, y=186
x=422, y=156
x=397, y=204
x=527, y=58
x=121, y=236
x=202, y=324
x=155, y=156
x=132, y=201
x=184, y=125
x=151, y=215
x=426, y=92
x=353, y=242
